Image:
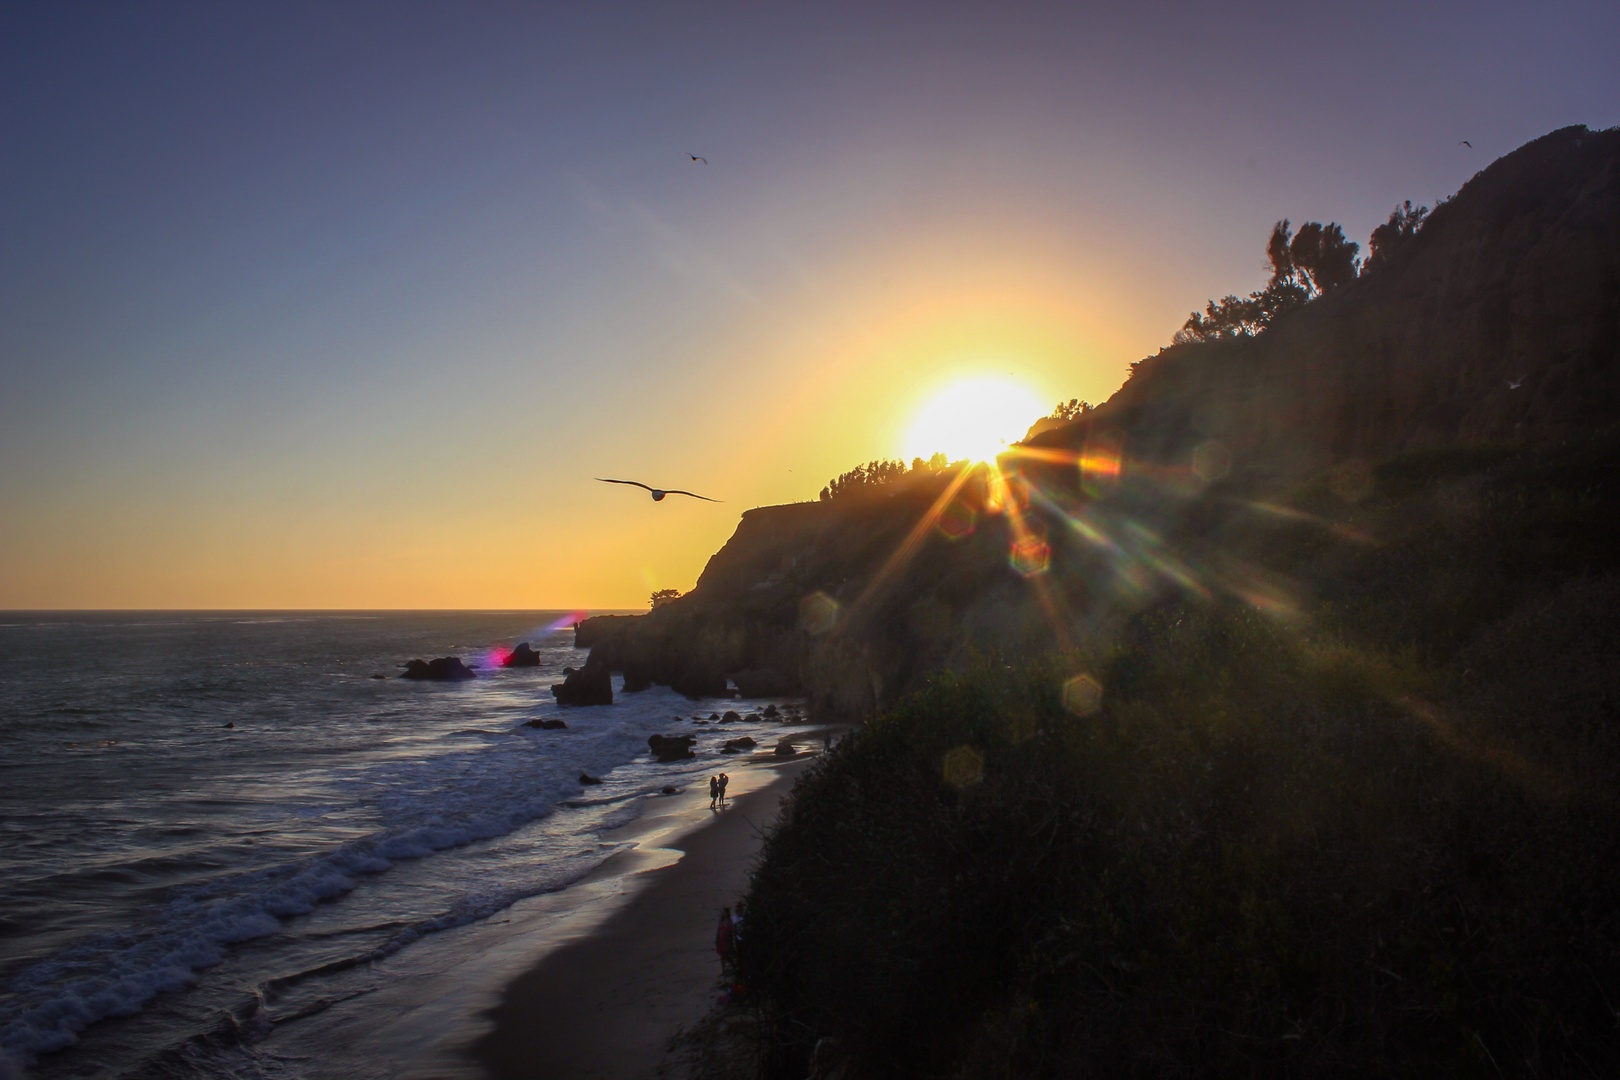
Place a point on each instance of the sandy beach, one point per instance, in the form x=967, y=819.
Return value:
x=604, y=1006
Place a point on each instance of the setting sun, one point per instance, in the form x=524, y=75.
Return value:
x=973, y=419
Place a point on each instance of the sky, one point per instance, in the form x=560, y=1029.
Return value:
x=344, y=305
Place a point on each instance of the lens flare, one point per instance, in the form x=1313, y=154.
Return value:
x=963, y=767
x=1030, y=556
x=956, y=521
x=818, y=613
x=1082, y=695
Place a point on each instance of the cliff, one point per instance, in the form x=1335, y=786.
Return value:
x=1500, y=323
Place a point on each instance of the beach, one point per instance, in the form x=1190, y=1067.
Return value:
x=604, y=1005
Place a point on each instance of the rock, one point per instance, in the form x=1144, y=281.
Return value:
x=730, y=750
x=714, y=716
x=379, y=676
x=771, y=711
x=584, y=779
x=522, y=656
x=744, y=743
x=730, y=717
x=697, y=681
x=591, y=685
x=672, y=747
x=546, y=725
x=752, y=718
x=229, y=725
x=762, y=682
x=784, y=749
x=636, y=680
x=671, y=791
x=444, y=669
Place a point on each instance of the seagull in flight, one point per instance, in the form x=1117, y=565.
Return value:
x=1512, y=385
x=695, y=160
x=1465, y=142
x=657, y=494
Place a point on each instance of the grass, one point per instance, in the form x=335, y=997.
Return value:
x=1380, y=840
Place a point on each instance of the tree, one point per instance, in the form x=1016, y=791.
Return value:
x=863, y=477
x=1303, y=266
x=664, y=596
x=1393, y=239
x=1073, y=409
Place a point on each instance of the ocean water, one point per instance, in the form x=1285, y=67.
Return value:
x=215, y=827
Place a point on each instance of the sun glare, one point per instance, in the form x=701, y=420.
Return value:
x=973, y=419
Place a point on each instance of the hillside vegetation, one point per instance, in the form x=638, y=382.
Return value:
x=1377, y=836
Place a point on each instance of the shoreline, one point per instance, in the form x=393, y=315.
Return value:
x=605, y=1004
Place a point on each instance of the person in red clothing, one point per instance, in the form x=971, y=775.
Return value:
x=724, y=939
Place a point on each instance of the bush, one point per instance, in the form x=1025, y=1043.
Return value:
x=1263, y=856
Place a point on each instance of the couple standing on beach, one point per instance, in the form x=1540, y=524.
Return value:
x=717, y=790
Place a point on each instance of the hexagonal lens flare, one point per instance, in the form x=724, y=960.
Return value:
x=818, y=613
x=957, y=520
x=1082, y=695
x=1030, y=556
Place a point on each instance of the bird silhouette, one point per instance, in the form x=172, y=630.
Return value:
x=696, y=159
x=1465, y=142
x=1515, y=384
x=657, y=493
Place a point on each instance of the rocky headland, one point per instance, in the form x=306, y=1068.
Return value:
x=1499, y=324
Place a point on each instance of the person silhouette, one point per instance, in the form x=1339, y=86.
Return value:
x=724, y=780
x=714, y=790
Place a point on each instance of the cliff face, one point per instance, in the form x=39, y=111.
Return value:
x=1500, y=323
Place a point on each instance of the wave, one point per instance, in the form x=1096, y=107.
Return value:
x=443, y=802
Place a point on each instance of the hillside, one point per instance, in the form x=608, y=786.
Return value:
x=1498, y=324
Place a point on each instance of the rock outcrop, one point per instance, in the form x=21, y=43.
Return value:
x=744, y=743
x=671, y=747
x=522, y=656
x=762, y=682
x=589, y=685
x=443, y=669
x=546, y=725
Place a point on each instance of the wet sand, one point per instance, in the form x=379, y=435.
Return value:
x=604, y=1006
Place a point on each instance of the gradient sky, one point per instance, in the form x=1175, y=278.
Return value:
x=343, y=305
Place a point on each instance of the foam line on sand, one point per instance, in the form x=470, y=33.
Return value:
x=604, y=1006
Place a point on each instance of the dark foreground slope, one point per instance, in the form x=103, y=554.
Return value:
x=1498, y=324
x=1375, y=835
x=1338, y=796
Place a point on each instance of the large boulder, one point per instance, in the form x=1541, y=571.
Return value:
x=762, y=682
x=590, y=685
x=744, y=743
x=700, y=681
x=671, y=747
x=444, y=669
x=522, y=656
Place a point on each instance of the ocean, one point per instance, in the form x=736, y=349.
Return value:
x=223, y=841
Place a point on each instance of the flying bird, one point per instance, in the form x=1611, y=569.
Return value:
x=657, y=494
x=1512, y=385
x=696, y=159
x=1465, y=142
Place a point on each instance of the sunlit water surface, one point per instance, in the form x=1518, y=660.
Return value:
x=215, y=827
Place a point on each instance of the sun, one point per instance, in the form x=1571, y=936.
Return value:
x=973, y=419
